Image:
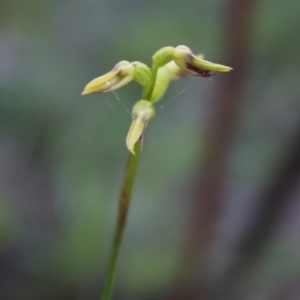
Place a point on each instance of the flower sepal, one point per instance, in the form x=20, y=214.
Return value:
x=142, y=73
x=120, y=75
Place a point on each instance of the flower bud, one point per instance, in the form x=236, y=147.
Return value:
x=142, y=73
x=120, y=75
x=142, y=112
x=192, y=64
x=161, y=84
x=163, y=56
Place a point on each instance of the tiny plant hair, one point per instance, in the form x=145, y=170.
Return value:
x=168, y=64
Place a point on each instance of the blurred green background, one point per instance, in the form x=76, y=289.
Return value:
x=216, y=206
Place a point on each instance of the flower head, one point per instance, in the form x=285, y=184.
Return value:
x=142, y=113
x=168, y=64
x=120, y=75
x=195, y=65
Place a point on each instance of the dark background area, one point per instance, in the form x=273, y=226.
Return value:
x=216, y=206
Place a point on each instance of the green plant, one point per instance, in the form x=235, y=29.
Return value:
x=168, y=64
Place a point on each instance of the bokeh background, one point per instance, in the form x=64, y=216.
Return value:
x=216, y=206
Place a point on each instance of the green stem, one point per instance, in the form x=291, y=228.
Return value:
x=124, y=203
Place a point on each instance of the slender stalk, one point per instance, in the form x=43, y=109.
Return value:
x=124, y=203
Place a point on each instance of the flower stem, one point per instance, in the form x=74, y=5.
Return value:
x=124, y=203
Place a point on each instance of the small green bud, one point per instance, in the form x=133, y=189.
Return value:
x=192, y=64
x=142, y=73
x=120, y=75
x=142, y=112
x=163, y=56
x=161, y=84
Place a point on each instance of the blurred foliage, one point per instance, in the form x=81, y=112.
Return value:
x=62, y=156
